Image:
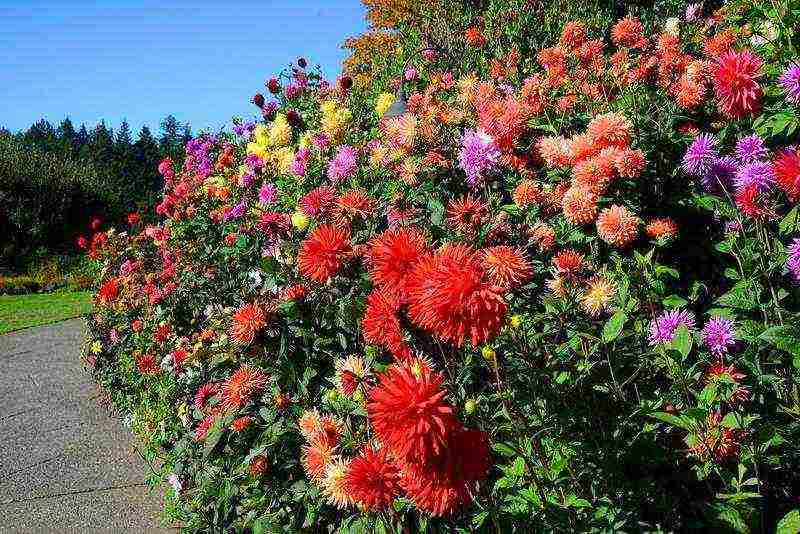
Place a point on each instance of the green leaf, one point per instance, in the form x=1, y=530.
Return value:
x=790, y=222
x=673, y=301
x=784, y=337
x=683, y=340
x=671, y=419
x=743, y=295
x=613, y=326
x=790, y=524
x=504, y=449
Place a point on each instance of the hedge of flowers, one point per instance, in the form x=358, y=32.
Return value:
x=502, y=290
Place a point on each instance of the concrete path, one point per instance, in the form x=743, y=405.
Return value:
x=66, y=466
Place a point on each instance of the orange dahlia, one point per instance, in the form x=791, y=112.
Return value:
x=322, y=254
x=466, y=213
x=661, y=228
x=568, y=262
x=581, y=146
x=451, y=297
x=555, y=151
x=241, y=386
x=630, y=163
x=628, y=32
x=506, y=267
x=147, y=364
x=354, y=204
x=316, y=457
x=544, y=236
x=594, y=173
x=373, y=479
x=392, y=255
x=573, y=35
x=610, y=129
x=617, y=226
x=579, y=205
x=246, y=323
x=408, y=412
x=527, y=193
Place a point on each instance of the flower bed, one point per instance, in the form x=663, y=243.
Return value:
x=557, y=288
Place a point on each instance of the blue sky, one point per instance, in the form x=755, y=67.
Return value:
x=140, y=60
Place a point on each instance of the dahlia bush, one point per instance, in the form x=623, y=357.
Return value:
x=473, y=285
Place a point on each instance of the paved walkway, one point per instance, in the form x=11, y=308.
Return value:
x=66, y=466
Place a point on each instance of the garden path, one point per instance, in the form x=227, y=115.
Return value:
x=66, y=465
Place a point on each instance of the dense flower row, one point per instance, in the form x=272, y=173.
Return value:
x=391, y=298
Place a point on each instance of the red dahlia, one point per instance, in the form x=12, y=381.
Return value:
x=506, y=267
x=381, y=325
x=450, y=295
x=109, y=291
x=318, y=202
x=446, y=486
x=735, y=85
x=392, y=256
x=787, y=173
x=372, y=479
x=246, y=322
x=322, y=254
x=409, y=415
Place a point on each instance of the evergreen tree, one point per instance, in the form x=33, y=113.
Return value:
x=170, y=142
x=147, y=157
x=68, y=138
x=42, y=135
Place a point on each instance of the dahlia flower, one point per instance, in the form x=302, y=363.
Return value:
x=699, y=155
x=351, y=372
x=343, y=165
x=610, y=129
x=751, y=149
x=205, y=392
x=718, y=335
x=479, y=155
x=568, y=262
x=506, y=267
x=786, y=168
x=322, y=254
x=735, y=83
x=450, y=296
x=627, y=32
x=759, y=175
x=720, y=174
x=662, y=330
x=392, y=255
x=334, y=484
x=241, y=386
x=381, y=324
x=467, y=213
x=790, y=82
x=579, y=205
x=617, y=226
x=246, y=323
x=408, y=412
x=315, y=458
x=372, y=479
x=447, y=485
x=318, y=202
x=661, y=228
x=527, y=193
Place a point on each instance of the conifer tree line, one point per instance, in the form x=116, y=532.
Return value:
x=55, y=178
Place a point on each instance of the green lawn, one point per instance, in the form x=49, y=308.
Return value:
x=22, y=311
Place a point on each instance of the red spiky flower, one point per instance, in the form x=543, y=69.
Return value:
x=506, y=267
x=735, y=83
x=373, y=479
x=392, y=256
x=246, y=323
x=408, y=412
x=322, y=254
x=787, y=172
x=450, y=296
x=446, y=486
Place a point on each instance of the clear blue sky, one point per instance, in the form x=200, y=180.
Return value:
x=140, y=60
